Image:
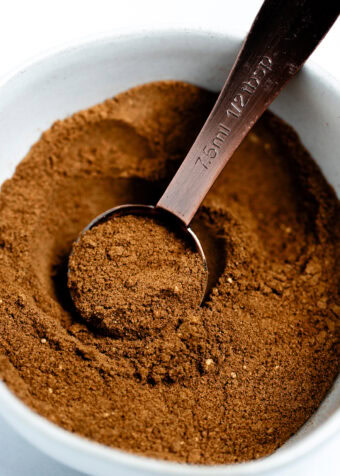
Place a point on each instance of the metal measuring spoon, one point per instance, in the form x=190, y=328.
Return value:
x=281, y=38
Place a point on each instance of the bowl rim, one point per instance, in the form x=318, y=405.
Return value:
x=91, y=448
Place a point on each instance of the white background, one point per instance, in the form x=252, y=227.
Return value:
x=30, y=27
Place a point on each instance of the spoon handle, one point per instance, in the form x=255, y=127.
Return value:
x=283, y=35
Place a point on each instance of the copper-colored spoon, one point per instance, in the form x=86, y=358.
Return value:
x=283, y=35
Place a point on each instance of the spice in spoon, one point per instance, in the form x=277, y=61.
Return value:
x=131, y=274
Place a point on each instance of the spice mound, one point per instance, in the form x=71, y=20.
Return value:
x=225, y=382
x=132, y=276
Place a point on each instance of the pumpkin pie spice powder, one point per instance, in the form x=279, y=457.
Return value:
x=133, y=276
x=227, y=382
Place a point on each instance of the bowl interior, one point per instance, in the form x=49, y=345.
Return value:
x=81, y=76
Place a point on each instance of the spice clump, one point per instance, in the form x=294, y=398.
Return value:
x=131, y=276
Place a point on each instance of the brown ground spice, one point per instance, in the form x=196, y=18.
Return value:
x=133, y=276
x=228, y=382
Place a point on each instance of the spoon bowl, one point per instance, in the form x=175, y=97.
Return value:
x=165, y=217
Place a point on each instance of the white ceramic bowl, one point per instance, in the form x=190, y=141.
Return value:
x=82, y=75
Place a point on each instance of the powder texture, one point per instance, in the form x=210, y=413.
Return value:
x=133, y=276
x=227, y=382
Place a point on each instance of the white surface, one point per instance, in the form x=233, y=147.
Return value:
x=27, y=28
